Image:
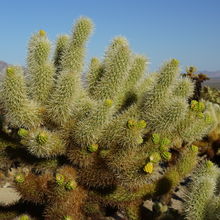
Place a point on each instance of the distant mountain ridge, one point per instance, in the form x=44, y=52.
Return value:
x=211, y=74
x=3, y=65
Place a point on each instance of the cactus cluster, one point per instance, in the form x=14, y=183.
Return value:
x=112, y=141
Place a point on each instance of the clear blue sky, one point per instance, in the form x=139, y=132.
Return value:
x=188, y=30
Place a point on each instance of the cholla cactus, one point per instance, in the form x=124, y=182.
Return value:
x=211, y=144
x=211, y=94
x=202, y=199
x=198, y=79
x=109, y=143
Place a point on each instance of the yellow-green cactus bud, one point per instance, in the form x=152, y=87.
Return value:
x=163, y=148
x=42, y=33
x=120, y=41
x=200, y=115
x=108, y=102
x=10, y=70
x=149, y=167
x=141, y=124
x=93, y=147
x=140, y=140
x=194, y=148
x=197, y=106
x=19, y=178
x=159, y=207
x=156, y=138
x=70, y=185
x=201, y=106
x=41, y=138
x=155, y=157
x=59, y=179
x=194, y=105
x=131, y=123
x=22, y=132
x=24, y=217
x=209, y=163
x=174, y=62
x=104, y=153
x=208, y=119
x=165, y=142
x=166, y=155
x=67, y=217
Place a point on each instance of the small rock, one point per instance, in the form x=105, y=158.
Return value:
x=8, y=196
x=148, y=204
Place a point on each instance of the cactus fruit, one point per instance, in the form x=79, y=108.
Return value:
x=24, y=217
x=107, y=142
x=19, y=178
x=93, y=147
x=156, y=138
x=59, y=179
x=70, y=185
x=148, y=168
x=22, y=132
x=155, y=157
x=67, y=218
